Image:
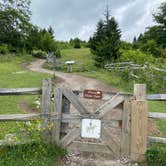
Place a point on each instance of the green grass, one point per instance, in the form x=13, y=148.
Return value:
x=34, y=154
x=82, y=57
x=9, y=78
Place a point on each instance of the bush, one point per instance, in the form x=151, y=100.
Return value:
x=136, y=56
x=155, y=156
x=39, y=54
x=4, y=49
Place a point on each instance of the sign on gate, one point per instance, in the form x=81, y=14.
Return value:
x=91, y=128
x=92, y=94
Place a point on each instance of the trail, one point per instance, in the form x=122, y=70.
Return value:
x=71, y=80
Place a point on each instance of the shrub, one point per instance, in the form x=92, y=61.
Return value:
x=155, y=156
x=39, y=54
x=136, y=56
x=4, y=49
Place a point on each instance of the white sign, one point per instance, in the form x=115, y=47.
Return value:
x=91, y=128
x=69, y=62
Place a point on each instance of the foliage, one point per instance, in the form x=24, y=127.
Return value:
x=76, y=43
x=31, y=154
x=4, y=49
x=136, y=56
x=105, y=42
x=19, y=33
x=155, y=156
x=153, y=40
x=39, y=54
x=14, y=22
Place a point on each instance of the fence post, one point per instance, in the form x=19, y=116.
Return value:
x=58, y=115
x=125, y=135
x=139, y=119
x=46, y=99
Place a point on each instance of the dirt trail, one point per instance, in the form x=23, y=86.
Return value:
x=76, y=82
x=71, y=80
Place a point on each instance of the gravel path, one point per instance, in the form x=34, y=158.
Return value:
x=77, y=82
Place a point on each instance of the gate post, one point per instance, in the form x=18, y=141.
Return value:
x=139, y=119
x=46, y=100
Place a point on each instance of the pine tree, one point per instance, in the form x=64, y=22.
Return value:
x=105, y=42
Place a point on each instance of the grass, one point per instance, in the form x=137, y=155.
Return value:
x=12, y=75
x=77, y=55
x=32, y=154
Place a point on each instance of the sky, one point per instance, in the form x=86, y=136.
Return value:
x=78, y=18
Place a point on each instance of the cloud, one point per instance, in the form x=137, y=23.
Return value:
x=78, y=18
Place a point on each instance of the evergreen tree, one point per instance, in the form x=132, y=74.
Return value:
x=51, y=31
x=105, y=42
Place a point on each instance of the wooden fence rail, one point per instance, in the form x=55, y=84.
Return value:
x=156, y=140
x=20, y=91
x=19, y=117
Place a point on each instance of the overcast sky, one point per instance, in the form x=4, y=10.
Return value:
x=78, y=18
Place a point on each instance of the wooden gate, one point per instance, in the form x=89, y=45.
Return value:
x=113, y=115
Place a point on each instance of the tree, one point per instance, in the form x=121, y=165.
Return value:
x=155, y=36
x=51, y=31
x=160, y=18
x=105, y=42
x=14, y=22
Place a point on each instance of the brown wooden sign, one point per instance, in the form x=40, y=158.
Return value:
x=92, y=94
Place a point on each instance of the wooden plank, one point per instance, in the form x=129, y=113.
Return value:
x=19, y=117
x=89, y=147
x=58, y=112
x=76, y=119
x=70, y=136
x=157, y=115
x=20, y=91
x=66, y=110
x=114, y=114
x=75, y=101
x=109, y=105
x=156, y=97
x=138, y=129
x=158, y=69
x=157, y=140
x=46, y=100
x=111, y=142
x=125, y=135
x=139, y=119
x=140, y=92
